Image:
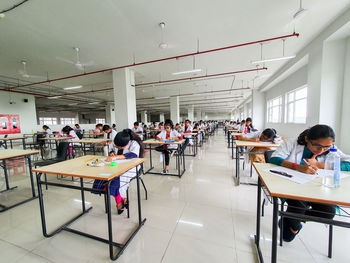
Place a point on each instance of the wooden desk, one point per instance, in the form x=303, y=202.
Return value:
x=239, y=144
x=93, y=142
x=77, y=168
x=312, y=191
x=194, y=137
x=179, y=150
x=230, y=134
x=10, y=139
x=6, y=155
x=55, y=139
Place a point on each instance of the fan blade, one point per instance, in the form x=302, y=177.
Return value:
x=65, y=60
x=88, y=64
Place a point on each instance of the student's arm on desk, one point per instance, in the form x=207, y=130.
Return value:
x=248, y=139
x=308, y=169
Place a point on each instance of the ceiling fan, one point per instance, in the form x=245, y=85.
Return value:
x=23, y=72
x=78, y=64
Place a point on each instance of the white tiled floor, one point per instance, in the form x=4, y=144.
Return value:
x=202, y=217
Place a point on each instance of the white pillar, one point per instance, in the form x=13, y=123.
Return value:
x=175, y=109
x=258, y=104
x=203, y=115
x=161, y=117
x=190, y=113
x=110, y=115
x=124, y=97
x=199, y=115
x=144, y=118
x=77, y=117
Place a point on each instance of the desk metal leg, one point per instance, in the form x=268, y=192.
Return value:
x=31, y=175
x=11, y=144
x=237, y=165
x=24, y=143
x=258, y=213
x=274, y=230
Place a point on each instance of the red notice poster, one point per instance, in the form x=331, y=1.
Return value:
x=9, y=124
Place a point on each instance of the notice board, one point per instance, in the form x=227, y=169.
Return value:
x=9, y=124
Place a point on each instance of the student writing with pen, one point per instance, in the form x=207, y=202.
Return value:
x=307, y=154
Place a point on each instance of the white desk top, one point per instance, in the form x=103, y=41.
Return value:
x=55, y=138
x=92, y=140
x=154, y=141
x=78, y=168
x=254, y=144
x=10, y=153
x=312, y=191
x=12, y=138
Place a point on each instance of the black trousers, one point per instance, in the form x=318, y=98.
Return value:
x=307, y=208
x=165, y=152
x=186, y=143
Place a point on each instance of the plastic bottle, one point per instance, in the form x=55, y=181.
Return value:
x=332, y=179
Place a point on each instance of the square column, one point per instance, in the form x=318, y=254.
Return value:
x=144, y=116
x=110, y=116
x=124, y=97
x=175, y=109
x=190, y=113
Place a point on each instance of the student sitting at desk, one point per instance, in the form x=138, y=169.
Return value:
x=69, y=132
x=268, y=135
x=127, y=145
x=187, y=129
x=138, y=129
x=168, y=134
x=98, y=130
x=109, y=133
x=312, y=145
x=47, y=131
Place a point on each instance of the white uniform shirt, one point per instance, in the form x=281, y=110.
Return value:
x=173, y=134
x=189, y=130
x=112, y=135
x=48, y=133
x=291, y=151
x=138, y=130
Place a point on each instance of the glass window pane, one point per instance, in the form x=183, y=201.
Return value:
x=300, y=94
x=300, y=111
x=290, y=96
x=290, y=112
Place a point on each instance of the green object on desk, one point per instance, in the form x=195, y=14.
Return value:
x=113, y=164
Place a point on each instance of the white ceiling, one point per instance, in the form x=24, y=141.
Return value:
x=113, y=32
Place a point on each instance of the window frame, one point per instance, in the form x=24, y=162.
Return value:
x=47, y=121
x=270, y=109
x=293, y=103
x=100, y=120
x=67, y=121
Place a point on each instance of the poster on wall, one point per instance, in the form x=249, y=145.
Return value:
x=9, y=124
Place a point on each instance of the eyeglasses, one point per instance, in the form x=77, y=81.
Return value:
x=321, y=147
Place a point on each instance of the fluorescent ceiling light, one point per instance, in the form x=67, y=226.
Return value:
x=91, y=103
x=54, y=97
x=273, y=59
x=187, y=71
x=75, y=87
x=159, y=98
x=72, y=104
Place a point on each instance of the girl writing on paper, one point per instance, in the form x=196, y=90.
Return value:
x=312, y=145
x=127, y=145
x=167, y=134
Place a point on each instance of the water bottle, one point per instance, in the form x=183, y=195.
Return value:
x=332, y=163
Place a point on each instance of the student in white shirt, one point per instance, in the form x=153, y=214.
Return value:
x=109, y=134
x=186, y=129
x=138, y=129
x=69, y=132
x=167, y=134
x=47, y=131
x=127, y=145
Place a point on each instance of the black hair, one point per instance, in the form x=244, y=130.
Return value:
x=318, y=131
x=248, y=119
x=67, y=129
x=124, y=137
x=243, y=121
x=99, y=125
x=77, y=125
x=105, y=127
x=113, y=125
x=270, y=134
x=169, y=122
x=45, y=127
x=187, y=121
x=177, y=124
x=136, y=123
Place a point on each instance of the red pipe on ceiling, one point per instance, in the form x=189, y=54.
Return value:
x=200, y=77
x=159, y=60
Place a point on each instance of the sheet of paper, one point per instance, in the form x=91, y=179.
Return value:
x=117, y=161
x=323, y=173
x=298, y=177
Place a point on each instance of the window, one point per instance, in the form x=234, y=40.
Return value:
x=242, y=115
x=100, y=121
x=274, y=110
x=68, y=121
x=296, y=106
x=47, y=121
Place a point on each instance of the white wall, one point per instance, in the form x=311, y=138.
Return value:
x=294, y=81
x=25, y=110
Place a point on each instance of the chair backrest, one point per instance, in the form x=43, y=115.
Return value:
x=79, y=134
x=39, y=136
x=62, y=151
x=6, y=135
x=268, y=155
